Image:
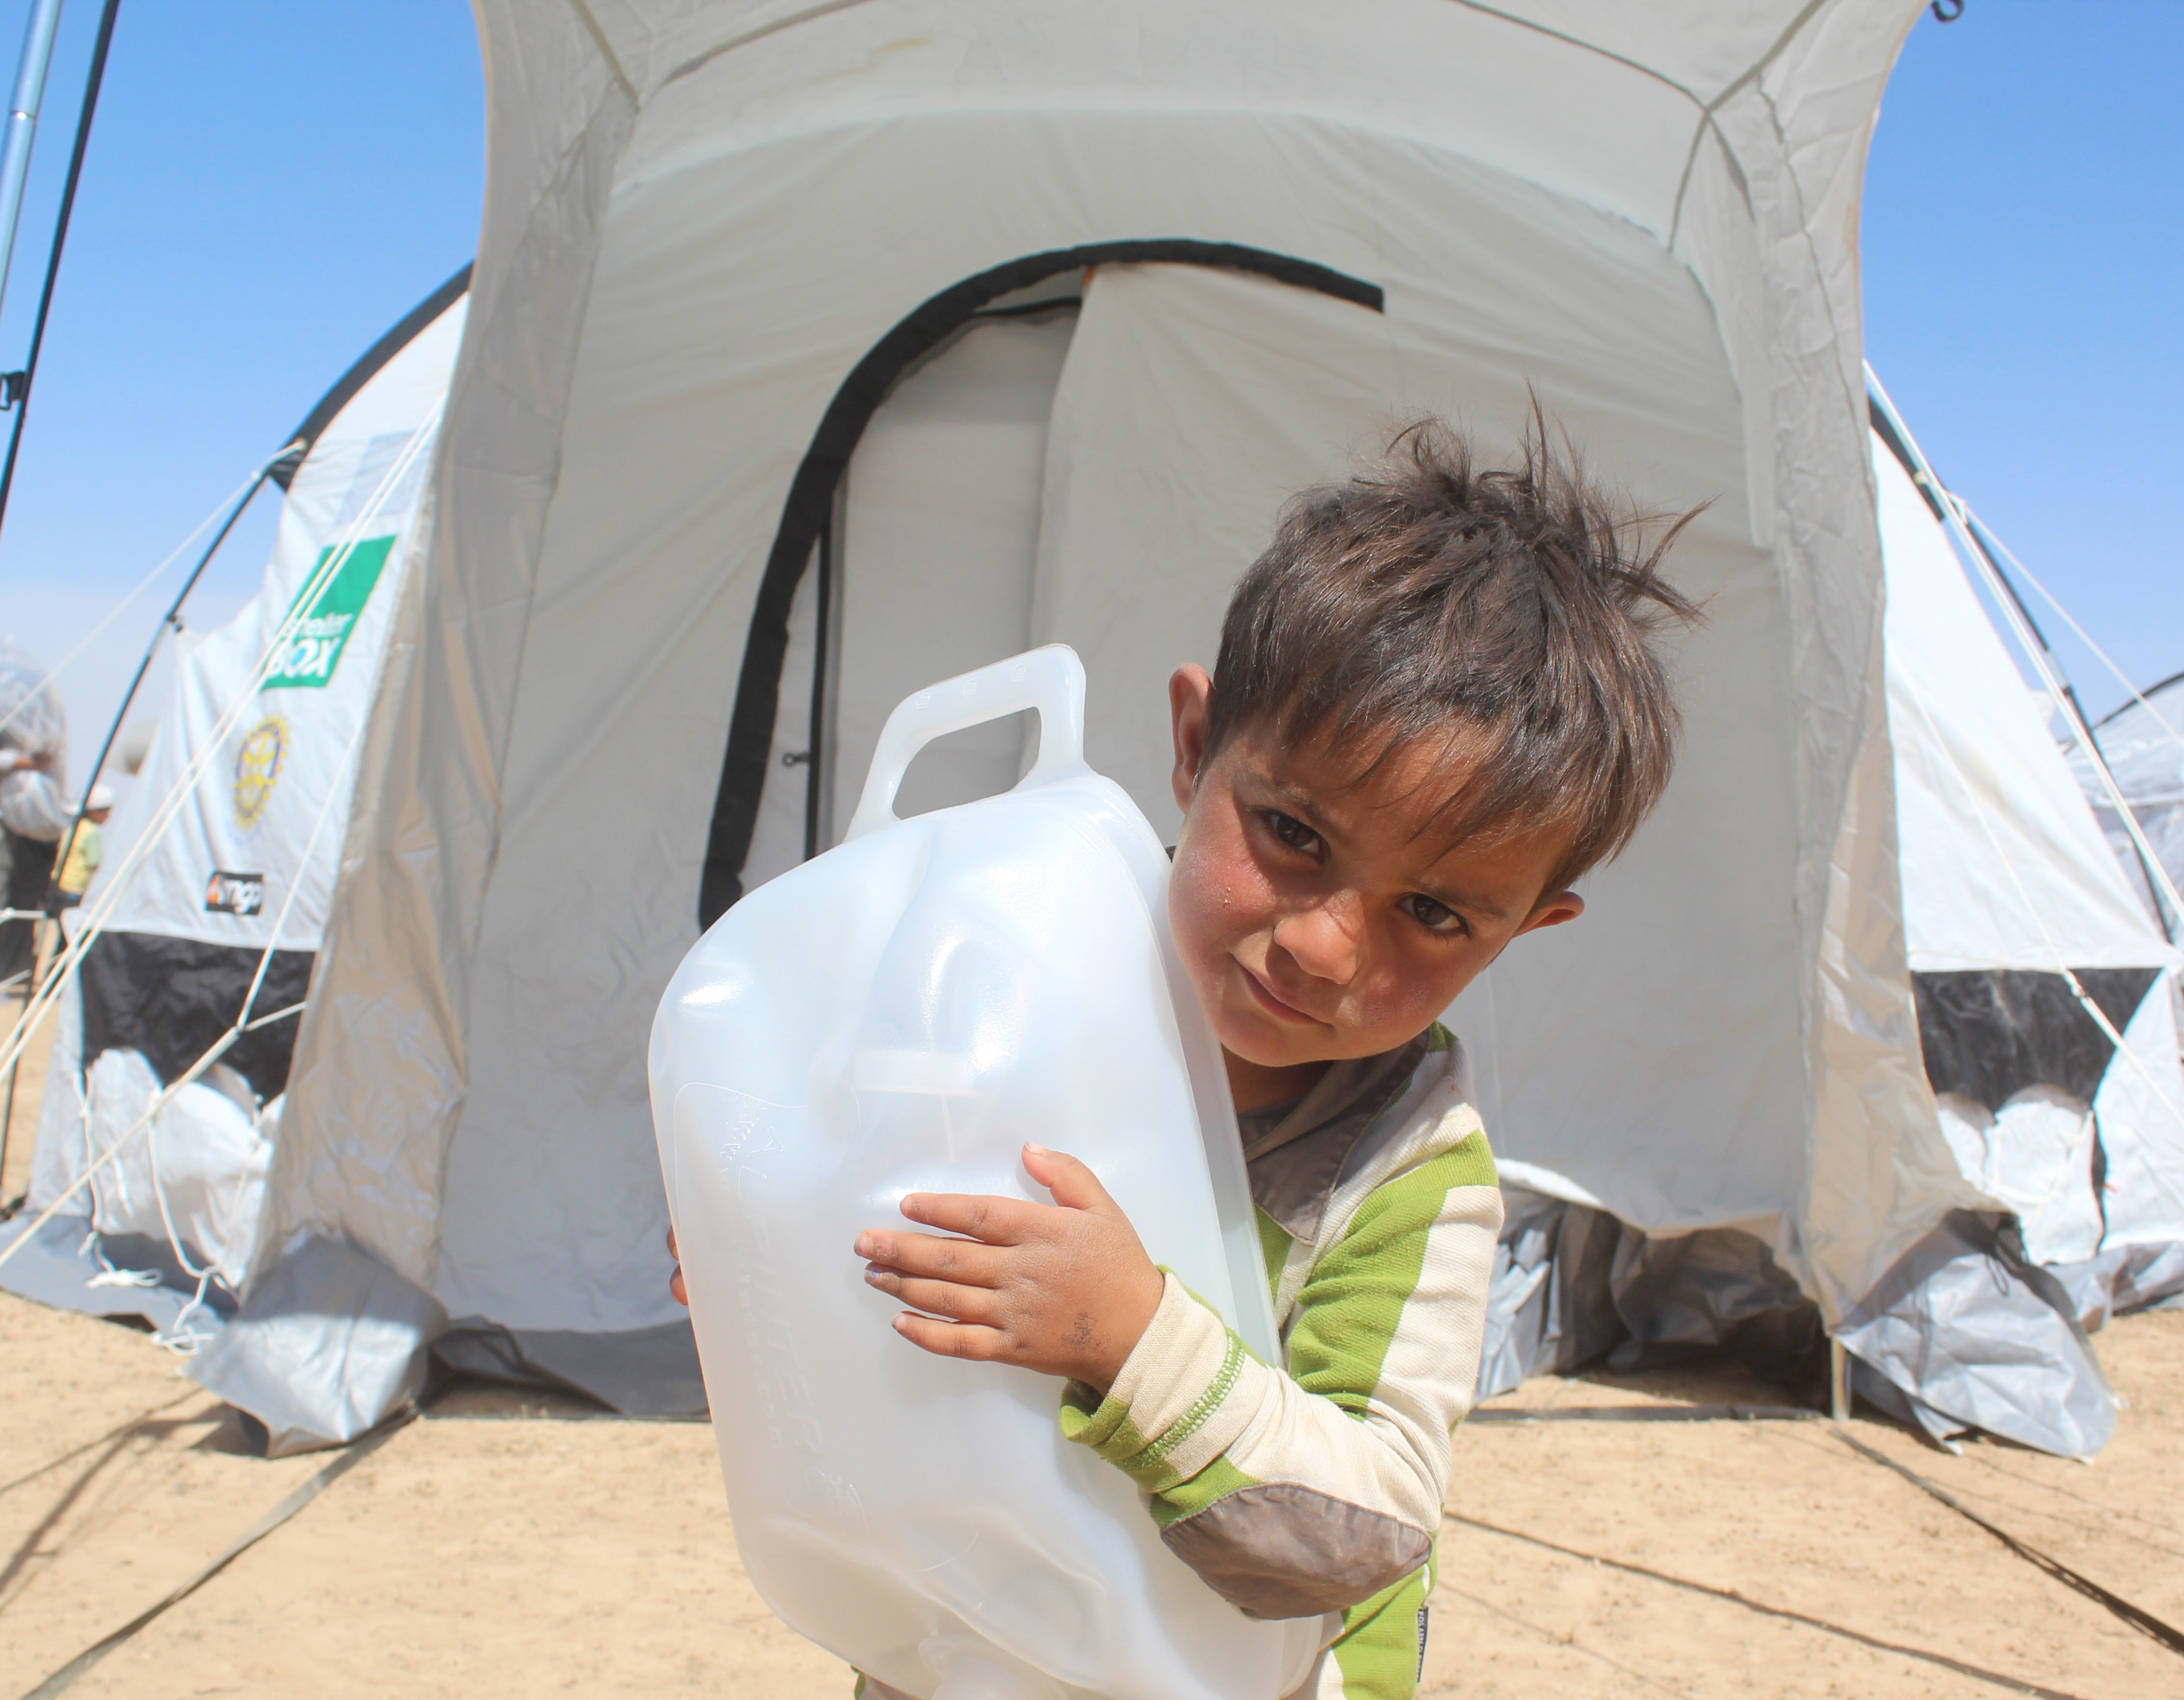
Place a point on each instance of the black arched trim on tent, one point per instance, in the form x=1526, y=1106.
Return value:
x=191, y=985
x=2130, y=703
x=1884, y=428
x=282, y=472
x=810, y=500
x=2088, y=729
x=365, y=368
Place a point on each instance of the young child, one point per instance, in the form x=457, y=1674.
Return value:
x=87, y=848
x=1437, y=705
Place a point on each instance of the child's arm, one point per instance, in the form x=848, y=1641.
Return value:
x=1292, y=1494
x=1307, y=1491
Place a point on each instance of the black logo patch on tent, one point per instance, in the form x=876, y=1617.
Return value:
x=235, y=894
x=1989, y=1033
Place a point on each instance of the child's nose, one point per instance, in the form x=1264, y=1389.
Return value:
x=1323, y=940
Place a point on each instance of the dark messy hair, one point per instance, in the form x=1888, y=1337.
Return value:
x=1507, y=616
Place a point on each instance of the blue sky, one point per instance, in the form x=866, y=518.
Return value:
x=269, y=187
x=2024, y=254
x=271, y=184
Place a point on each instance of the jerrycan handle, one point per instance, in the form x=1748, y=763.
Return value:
x=1050, y=679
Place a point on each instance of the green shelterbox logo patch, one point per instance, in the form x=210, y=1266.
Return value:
x=319, y=633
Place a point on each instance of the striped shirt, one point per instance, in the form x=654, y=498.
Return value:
x=1315, y=1489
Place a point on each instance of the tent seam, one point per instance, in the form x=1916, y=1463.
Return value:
x=810, y=15
x=1709, y=109
x=606, y=50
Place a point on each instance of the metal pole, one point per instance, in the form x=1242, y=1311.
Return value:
x=18, y=390
x=2030, y=645
x=23, y=123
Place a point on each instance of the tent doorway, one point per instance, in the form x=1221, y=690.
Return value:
x=933, y=530
x=909, y=551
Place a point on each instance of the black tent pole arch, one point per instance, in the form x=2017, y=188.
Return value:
x=2074, y=711
x=281, y=470
x=808, y=505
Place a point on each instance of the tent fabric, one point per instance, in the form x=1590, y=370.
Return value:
x=2010, y=889
x=1979, y=771
x=243, y=795
x=819, y=352
x=1648, y=218
x=2017, y=919
x=2143, y=743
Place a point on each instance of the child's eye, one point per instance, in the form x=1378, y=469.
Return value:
x=1293, y=832
x=1433, y=914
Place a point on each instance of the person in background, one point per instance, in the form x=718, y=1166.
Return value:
x=87, y=848
x=34, y=814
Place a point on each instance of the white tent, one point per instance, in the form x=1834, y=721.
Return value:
x=820, y=351
x=224, y=857
x=2029, y=957
x=2143, y=743
x=733, y=250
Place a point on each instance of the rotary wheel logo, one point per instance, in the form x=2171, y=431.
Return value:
x=257, y=768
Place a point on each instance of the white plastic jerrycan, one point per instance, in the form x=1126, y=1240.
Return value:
x=901, y=1014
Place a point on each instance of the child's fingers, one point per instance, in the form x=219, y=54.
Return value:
x=1073, y=1184
x=964, y=1261
x=939, y=1298
x=997, y=1221
x=952, y=1340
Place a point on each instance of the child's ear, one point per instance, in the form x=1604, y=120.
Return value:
x=1189, y=699
x=1552, y=911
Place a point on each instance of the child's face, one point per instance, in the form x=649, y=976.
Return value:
x=1321, y=919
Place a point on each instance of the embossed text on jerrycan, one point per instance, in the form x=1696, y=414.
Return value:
x=901, y=1014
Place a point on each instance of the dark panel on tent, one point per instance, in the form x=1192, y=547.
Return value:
x=362, y=373
x=173, y=998
x=1989, y=1033
x=810, y=500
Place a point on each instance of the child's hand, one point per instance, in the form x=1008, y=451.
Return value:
x=1065, y=1289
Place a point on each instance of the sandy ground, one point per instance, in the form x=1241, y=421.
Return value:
x=510, y=1545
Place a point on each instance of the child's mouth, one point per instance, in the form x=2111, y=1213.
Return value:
x=1272, y=1005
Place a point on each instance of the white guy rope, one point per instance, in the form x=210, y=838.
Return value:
x=332, y=561
x=2035, y=653
x=160, y=1099
x=176, y=1338
x=1986, y=533
x=97, y=915
x=2039, y=920
x=143, y=585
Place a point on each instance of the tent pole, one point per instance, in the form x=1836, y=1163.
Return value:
x=1990, y=547
x=2166, y=901
x=1838, y=1380
x=17, y=391
x=23, y=124
x=171, y=618
x=817, y=729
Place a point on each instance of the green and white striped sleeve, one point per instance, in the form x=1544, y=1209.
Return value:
x=1319, y=1488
